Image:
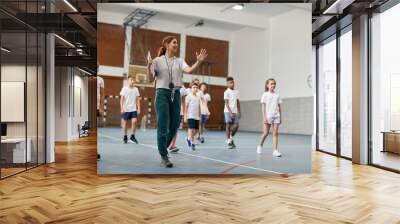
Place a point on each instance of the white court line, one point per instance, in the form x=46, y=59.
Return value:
x=202, y=157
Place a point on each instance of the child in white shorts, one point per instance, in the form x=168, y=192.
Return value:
x=272, y=115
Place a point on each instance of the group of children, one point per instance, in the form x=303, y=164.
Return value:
x=195, y=112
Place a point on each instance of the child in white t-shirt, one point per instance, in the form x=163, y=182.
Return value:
x=272, y=115
x=130, y=108
x=231, y=111
x=192, y=114
x=205, y=113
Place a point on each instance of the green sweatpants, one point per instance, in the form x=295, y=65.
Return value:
x=168, y=118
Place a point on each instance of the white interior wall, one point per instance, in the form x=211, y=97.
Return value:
x=291, y=52
x=33, y=127
x=282, y=51
x=61, y=103
x=14, y=72
x=81, y=108
x=68, y=83
x=249, y=60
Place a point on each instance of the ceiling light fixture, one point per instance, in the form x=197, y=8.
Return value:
x=70, y=5
x=84, y=71
x=5, y=50
x=239, y=6
x=64, y=40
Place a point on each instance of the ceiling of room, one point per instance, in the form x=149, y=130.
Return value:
x=80, y=26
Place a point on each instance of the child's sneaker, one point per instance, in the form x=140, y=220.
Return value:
x=125, y=139
x=233, y=144
x=276, y=153
x=202, y=139
x=133, y=139
x=193, y=147
x=259, y=149
x=188, y=142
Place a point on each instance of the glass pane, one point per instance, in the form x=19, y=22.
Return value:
x=14, y=152
x=41, y=99
x=31, y=98
x=386, y=89
x=327, y=96
x=346, y=93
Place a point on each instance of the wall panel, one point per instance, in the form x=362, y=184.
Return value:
x=218, y=55
x=110, y=45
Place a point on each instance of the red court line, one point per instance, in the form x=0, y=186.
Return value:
x=227, y=170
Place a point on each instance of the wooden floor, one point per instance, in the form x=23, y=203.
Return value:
x=70, y=191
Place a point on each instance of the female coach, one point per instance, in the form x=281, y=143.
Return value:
x=167, y=70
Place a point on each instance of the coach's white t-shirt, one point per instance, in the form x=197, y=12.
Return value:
x=130, y=94
x=193, y=104
x=271, y=100
x=232, y=97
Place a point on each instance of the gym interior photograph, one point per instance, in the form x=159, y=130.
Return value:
x=220, y=112
x=247, y=46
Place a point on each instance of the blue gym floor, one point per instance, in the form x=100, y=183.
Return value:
x=212, y=157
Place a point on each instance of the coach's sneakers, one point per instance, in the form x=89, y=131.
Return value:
x=173, y=149
x=165, y=162
x=125, y=139
x=275, y=153
x=259, y=149
x=133, y=139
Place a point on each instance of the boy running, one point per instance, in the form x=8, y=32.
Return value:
x=130, y=108
x=231, y=111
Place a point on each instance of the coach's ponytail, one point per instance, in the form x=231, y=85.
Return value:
x=163, y=49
